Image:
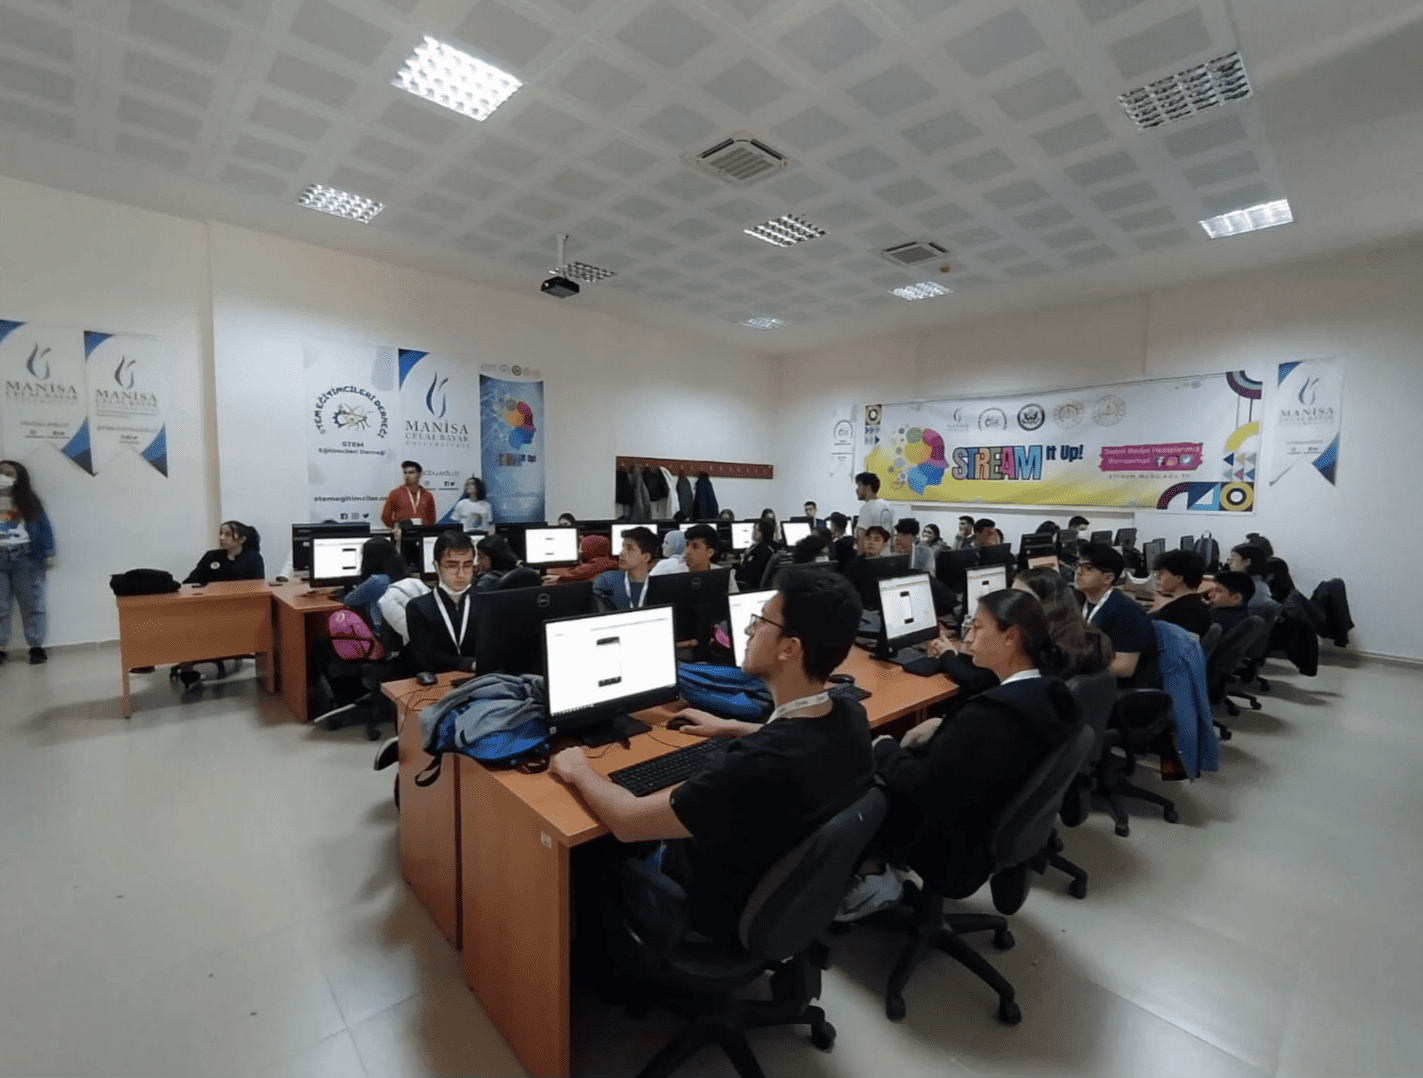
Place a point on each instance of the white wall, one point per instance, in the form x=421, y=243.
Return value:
x=69, y=260
x=1364, y=308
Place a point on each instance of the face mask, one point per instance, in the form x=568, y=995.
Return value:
x=455, y=595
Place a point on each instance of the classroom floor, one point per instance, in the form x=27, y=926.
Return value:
x=208, y=889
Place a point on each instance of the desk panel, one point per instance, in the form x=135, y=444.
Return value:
x=300, y=622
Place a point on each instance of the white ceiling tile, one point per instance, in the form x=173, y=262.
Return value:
x=639, y=208
x=972, y=281
x=974, y=237
x=942, y=132
x=598, y=229
x=1089, y=255
x=1170, y=238
x=1032, y=97
x=862, y=164
x=337, y=31
x=810, y=129
x=997, y=255
x=1047, y=217
x=831, y=37
x=1025, y=270
x=923, y=10
x=841, y=213
x=778, y=262
x=654, y=246
x=1002, y=40
x=446, y=209
x=666, y=35
x=1101, y=10
x=750, y=8
x=423, y=121
x=943, y=216
x=1252, y=194
x=982, y=166
x=42, y=121
x=410, y=224
x=41, y=82
x=254, y=180
x=505, y=227
x=470, y=184
x=693, y=229
x=1229, y=168
x=508, y=39
x=1073, y=135
x=504, y=155
x=621, y=156
x=1169, y=43
x=601, y=84
x=296, y=76
x=880, y=236
x=577, y=184
x=747, y=87
x=894, y=90
x=288, y=121
x=1131, y=195
x=697, y=260
x=828, y=248
x=162, y=77
x=1017, y=194
x=1112, y=166
x=33, y=34
x=679, y=126
x=179, y=125
x=795, y=189
x=546, y=124
x=905, y=192
x=1203, y=137
x=1153, y=218
x=179, y=29
x=387, y=154
x=1070, y=238
x=359, y=182
x=744, y=213
x=480, y=244
x=539, y=208
x=262, y=152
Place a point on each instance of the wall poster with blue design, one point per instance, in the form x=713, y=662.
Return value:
x=511, y=412
x=439, y=420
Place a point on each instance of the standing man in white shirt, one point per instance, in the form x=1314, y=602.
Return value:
x=875, y=511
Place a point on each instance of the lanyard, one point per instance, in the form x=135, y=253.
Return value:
x=795, y=705
x=464, y=624
x=635, y=603
x=414, y=502
x=1093, y=611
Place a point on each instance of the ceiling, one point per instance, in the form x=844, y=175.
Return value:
x=990, y=127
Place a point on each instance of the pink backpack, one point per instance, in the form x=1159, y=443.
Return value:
x=352, y=639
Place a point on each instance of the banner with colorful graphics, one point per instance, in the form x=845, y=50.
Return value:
x=439, y=418
x=1175, y=443
x=128, y=396
x=45, y=398
x=353, y=444
x=511, y=418
x=1307, y=406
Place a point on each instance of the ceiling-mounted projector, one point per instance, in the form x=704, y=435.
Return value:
x=561, y=287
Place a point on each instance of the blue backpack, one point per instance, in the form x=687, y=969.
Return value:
x=724, y=691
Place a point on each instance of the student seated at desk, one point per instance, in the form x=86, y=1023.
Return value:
x=238, y=556
x=753, y=562
x=1230, y=599
x=494, y=559
x=381, y=566
x=1178, y=600
x=1249, y=559
x=1084, y=648
x=949, y=778
x=674, y=549
x=777, y=782
x=593, y=559
x=699, y=545
x=441, y=625
x=906, y=532
x=1099, y=568
x=625, y=587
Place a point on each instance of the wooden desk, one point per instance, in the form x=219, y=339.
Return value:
x=300, y=619
x=196, y=624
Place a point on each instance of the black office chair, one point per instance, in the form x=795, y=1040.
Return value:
x=1096, y=696
x=1249, y=669
x=366, y=705
x=1211, y=640
x=1234, y=645
x=1019, y=836
x=1142, y=717
x=779, y=932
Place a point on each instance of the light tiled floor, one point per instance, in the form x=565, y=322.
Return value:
x=208, y=889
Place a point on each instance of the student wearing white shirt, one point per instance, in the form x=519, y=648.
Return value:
x=876, y=510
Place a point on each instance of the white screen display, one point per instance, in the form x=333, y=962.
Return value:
x=618, y=532
x=550, y=546
x=906, y=605
x=741, y=536
x=981, y=582
x=795, y=531
x=598, y=660
x=427, y=550
x=332, y=559
x=743, y=605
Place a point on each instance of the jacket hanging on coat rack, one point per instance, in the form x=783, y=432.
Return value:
x=685, y=503
x=704, y=499
x=641, y=504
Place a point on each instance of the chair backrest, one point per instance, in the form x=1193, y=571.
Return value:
x=1022, y=828
x=1096, y=696
x=797, y=899
x=1232, y=649
x=1268, y=612
x=1211, y=640
x=520, y=577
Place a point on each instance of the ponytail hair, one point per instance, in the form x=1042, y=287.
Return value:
x=1021, y=610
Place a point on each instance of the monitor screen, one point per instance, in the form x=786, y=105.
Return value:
x=741, y=536
x=619, y=530
x=743, y=605
x=981, y=581
x=698, y=601
x=303, y=534
x=550, y=546
x=607, y=664
x=509, y=624
x=427, y=551
x=1125, y=537
x=907, y=609
x=336, y=561
x=795, y=531
x=1150, y=551
x=1188, y=542
x=1102, y=537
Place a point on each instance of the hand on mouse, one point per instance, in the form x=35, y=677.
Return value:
x=704, y=724
x=567, y=765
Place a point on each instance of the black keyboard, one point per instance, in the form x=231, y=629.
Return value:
x=854, y=692
x=652, y=775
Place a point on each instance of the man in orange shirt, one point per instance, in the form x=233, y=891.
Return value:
x=410, y=501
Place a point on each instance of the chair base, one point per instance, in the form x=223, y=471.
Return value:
x=1052, y=857
x=369, y=711
x=1127, y=789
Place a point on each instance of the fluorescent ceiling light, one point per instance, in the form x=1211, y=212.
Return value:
x=581, y=271
x=922, y=290
x=1182, y=95
x=763, y=323
x=786, y=231
x=456, y=80
x=339, y=203
x=1265, y=215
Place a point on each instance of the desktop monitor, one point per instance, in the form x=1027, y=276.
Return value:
x=698, y=602
x=795, y=530
x=998, y=554
x=426, y=565
x=1150, y=551
x=951, y=565
x=1102, y=537
x=336, y=560
x=741, y=536
x=412, y=542
x=1067, y=551
x=1037, y=544
x=981, y=581
x=906, y=612
x=303, y=534
x=604, y=666
x=514, y=535
x=741, y=606
x=508, y=624
x=550, y=546
x=872, y=570
x=1125, y=537
x=619, y=530
x=1188, y=542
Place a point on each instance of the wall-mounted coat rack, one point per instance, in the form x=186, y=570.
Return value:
x=716, y=469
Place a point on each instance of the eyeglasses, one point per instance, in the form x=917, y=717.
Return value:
x=757, y=619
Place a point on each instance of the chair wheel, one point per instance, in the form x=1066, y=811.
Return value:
x=1077, y=888
x=1170, y=815
x=1254, y=705
x=372, y=733
x=894, y=1008
x=823, y=1036
x=1009, y=1013
x=1003, y=940
x=1122, y=830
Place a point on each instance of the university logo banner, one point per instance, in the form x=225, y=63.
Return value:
x=45, y=397
x=127, y=397
x=511, y=413
x=439, y=409
x=1308, y=408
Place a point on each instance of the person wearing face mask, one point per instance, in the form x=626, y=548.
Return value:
x=238, y=557
x=441, y=624
x=26, y=554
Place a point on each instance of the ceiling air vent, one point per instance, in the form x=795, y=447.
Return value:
x=740, y=159
x=1180, y=96
x=914, y=254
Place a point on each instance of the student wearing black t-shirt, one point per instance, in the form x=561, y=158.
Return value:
x=441, y=623
x=238, y=557
x=1133, y=637
x=1178, y=574
x=1230, y=599
x=777, y=781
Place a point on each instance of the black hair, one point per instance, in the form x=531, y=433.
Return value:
x=453, y=540
x=1239, y=583
x=769, y=512
x=22, y=494
x=907, y=526
x=478, y=486
x=251, y=541
x=1078, y=521
x=412, y=464
x=726, y=514
x=1187, y=564
x=497, y=549
x=983, y=522
x=572, y=520
x=822, y=611
x=679, y=517
x=937, y=533
x=764, y=529
x=877, y=528
x=1047, y=527
x=1105, y=557
x=1277, y=575
x=810, y=503
x=1021, y=610
x=966, y=517
x=869, y=479
x=645, y=539
x=382, y=556
x=706, y=533
x=838, y=521
x=1256, y=539
x=842, y=550
x=1254, y=558
x=808, y=549
x=1080, y=654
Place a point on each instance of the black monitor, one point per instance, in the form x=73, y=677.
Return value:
x=602, y=667
x=1125, y=537
x=907, y=617
x=302, y=535
x=698, y=601
x=1102, y=537
x=1037, y=544
x=1188, y=542
x=550, y=546
x=951, y=565
x=418, y=540
x=1067, y=551
x=508, y=624
x=1150, y=551
x=336, y=560
x=872, y=570
x=513, y=534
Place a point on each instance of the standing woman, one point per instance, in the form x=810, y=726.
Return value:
x=26, y=553
x=472, y=512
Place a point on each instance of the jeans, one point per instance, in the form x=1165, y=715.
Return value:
x=22, y=576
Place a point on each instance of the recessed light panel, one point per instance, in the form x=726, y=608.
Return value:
x=1182, y=95
x=340, y=203
x=443, y=74
x=786, y=231
x=581, y=271
x=763, y=323
x=1265, y=215
x=922, y=290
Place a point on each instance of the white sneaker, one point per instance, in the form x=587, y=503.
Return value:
x=870, y=894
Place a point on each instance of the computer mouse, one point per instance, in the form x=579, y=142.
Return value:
x=676, y=722
x=842, y=679
x=424, y=677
